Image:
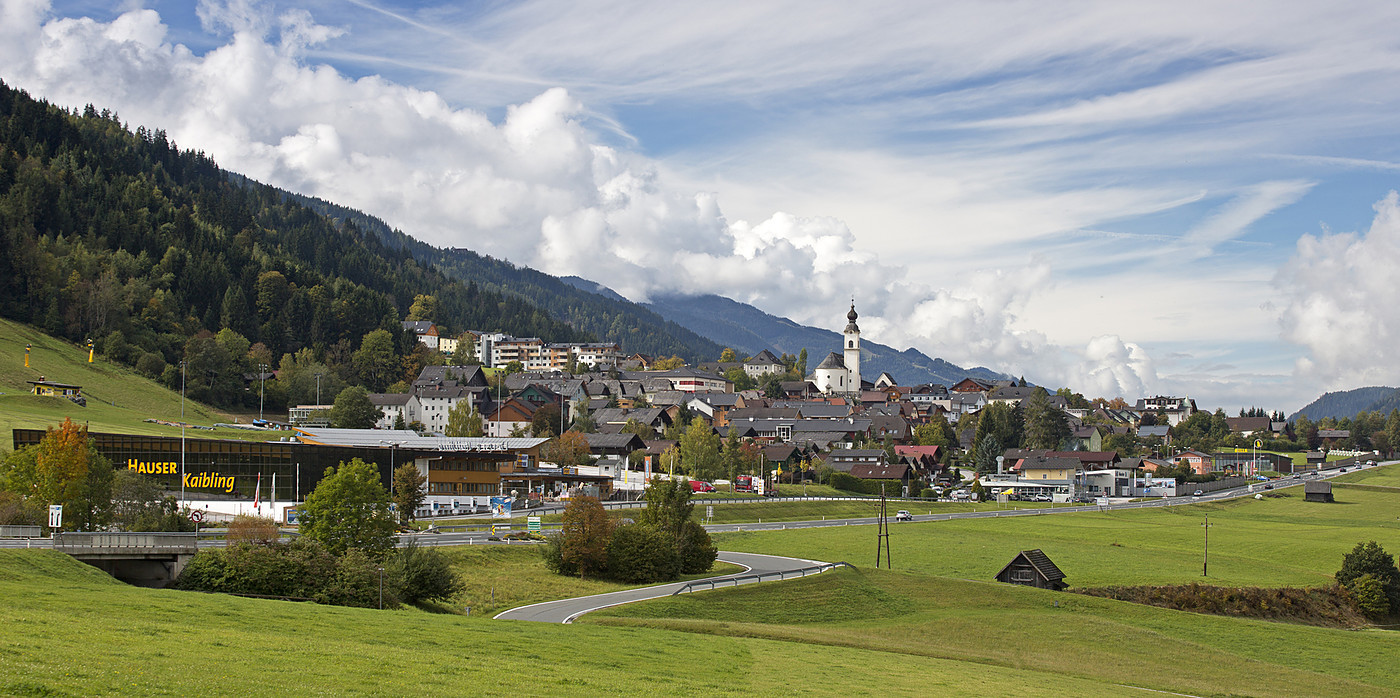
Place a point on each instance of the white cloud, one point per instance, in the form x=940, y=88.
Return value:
x=974, y=236
x=1342, y=304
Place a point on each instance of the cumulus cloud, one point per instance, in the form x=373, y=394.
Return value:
x=1342, y=304
x=535, y=186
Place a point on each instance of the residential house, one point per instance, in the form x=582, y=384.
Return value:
x=392, y=408
x=1174, y=409
x=762, y=364
x=1249, y=426
x=1199, y=463
x=844, y=459
x=424, y=331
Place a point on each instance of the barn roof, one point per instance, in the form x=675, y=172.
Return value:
x=1040, y=561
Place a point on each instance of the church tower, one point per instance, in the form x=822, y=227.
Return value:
x=852, y=349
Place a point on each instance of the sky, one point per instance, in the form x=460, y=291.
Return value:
x=1128, y=199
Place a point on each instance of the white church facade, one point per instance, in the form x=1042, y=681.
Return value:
x=839, y=373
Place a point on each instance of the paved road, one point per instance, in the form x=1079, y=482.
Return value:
x=566, y=610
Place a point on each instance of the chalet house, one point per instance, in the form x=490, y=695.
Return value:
x=1048, y=468
x=1091, y=460
x=510, y=416
x=1011, y=395
x=686, y=380
x=844, y=459
x=1160, y=431
x=763, y=363
x=896, y=428
x=424, y=331
x=611, y=420
x=716, y=406
x=897, y=473
x=884, y=381
x=1087, y=438
x=614, y=444
x=971, y=385
x=1032, y=568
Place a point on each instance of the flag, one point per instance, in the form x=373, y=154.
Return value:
x=272, y=496
x=257, y=494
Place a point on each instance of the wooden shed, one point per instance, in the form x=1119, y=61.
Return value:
x=1317, y=491
x=1034, y=569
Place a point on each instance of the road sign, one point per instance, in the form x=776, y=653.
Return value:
x=55, y=516
x=533, y=523
x=709, y=512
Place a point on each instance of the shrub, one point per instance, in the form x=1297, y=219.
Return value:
x=359, y=581
x=422, y=574
x=1368, y=593
x=845, y=481
x=553, y=553
x=695, y=552
x=151, y=364
x=246, y=528
x=639, y=554
x=928, y=493
x=204, y=572
x=1370, y=558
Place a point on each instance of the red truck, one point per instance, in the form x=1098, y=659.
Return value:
x=755, y=484
x=701, y=486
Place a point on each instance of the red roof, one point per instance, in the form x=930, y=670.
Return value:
x=933, y=452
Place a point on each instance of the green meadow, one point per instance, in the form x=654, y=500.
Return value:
x=118, y=398
x=1278, y=541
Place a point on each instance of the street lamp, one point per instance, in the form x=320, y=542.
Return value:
x=262, y=380
x=318, y=390
x=182, y=433
x=381, y=588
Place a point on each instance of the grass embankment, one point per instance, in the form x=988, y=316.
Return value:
x=1277, y=541
x=1004, y=627
x=74, y=631
x=499, y=577
x=119, y=399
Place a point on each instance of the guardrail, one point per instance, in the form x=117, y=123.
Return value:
x=116, y=542
x=780, y=575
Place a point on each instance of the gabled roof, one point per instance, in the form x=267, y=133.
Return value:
x=1156, y=430
x=378, y=399
x=764, y=358
x=1038, y=561
x=864, y=471
x=1317, y=487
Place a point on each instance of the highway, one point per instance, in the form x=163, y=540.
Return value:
x=566, y=610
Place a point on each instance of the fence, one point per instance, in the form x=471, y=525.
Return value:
x=741, y=579
x=21, y=531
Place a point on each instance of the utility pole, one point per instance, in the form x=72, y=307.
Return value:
x=882, y=532
x=182, y=433
x=318, y=390
x=262, y=379
x=1205, y=560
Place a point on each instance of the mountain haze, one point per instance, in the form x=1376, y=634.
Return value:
x=749, y=330
x=1346, y=403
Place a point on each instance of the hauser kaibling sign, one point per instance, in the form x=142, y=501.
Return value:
x=195, y=480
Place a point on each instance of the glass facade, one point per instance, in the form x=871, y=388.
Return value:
x=229, y=469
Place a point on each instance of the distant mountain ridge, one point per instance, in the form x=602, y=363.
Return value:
x=748, y=330
x=1346, y=403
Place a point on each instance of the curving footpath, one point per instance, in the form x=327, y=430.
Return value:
x=566, y=610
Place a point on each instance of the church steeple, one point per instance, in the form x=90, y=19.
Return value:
x=851, y=349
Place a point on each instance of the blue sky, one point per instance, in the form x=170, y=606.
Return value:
x=1126, y=198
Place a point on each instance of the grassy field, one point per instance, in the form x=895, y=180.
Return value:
x=1003, y=627
x=1278, y=541
x=119, y=399
x=73, y=631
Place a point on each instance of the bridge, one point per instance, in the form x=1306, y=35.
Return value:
x=141, y=559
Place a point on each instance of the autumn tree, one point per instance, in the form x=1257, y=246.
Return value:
x=668, y=364
x=545, y=421
x=63, y=469
x=424, y=308
x=410, y=491
x=569, y=448
x=727, y=356
x=584, y=535
x=646, y=431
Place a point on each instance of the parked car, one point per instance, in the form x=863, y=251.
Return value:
x=1042, y=498
x=903, y=515
x=1268, y=487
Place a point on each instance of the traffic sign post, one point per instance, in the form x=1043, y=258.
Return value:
x=533, y=523
x=55, y=516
